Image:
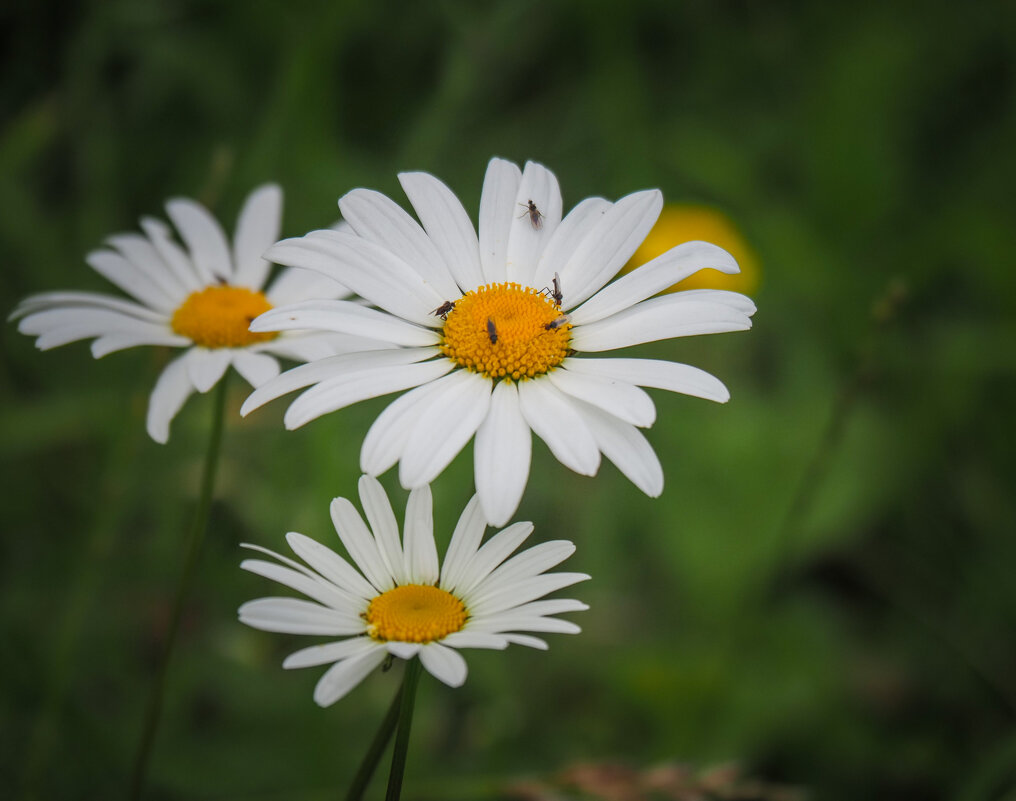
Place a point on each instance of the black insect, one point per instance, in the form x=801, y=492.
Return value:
x=387, y=664
x=442, y=310
x=535, y=215
x=492, y=331
x=557, y=322
x=555, y=293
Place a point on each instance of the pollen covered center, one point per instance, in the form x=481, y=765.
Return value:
x=415, y=613
x=506, y=331
x=219, y=316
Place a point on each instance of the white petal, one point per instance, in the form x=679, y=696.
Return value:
x=161, y=237
x=205, y=367
x=475, y=639
x=343, y=676
x=503, y=451
x=552, y=417
x=447, y=224
x=204, y=238
x=315, y=588
x=403, y=650
x=497, y=211
x=147, y=260
x=549, y=606
x=257, y=229
x=658, y=318
x=444, y=427
x=653, y=277
x=655, y=373
x=256, y=368
x=626, y=447
x=619, y=398
x=334, y=394
x=380, y=219
x=117, y=270
x=48, y=301
x=386, y=439
x=522, y=591
x=495, y=551
x=369, y=270
x=529, y=642
x=381, y=519
x=345, y=317
x=527, y=241
x=168, y=396
x=548, y=625
x=299, y=567
x=444, y=664
x=344, y=365
x=580, y=223
x=421, y=552
x=464, y=544
x=330, y=565
x=734, y=300
x=58, y=326
x=122, y=340
x=529, y=563
x=310, y=346
x=296, y=616
x=294, y=285
x=360, y=544
x=330, y=652
x=599, y=257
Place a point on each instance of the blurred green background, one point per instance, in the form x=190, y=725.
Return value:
x=824, y=593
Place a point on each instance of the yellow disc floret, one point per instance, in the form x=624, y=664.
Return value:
x=415, y=613
x=219, y=316
x=506, y=331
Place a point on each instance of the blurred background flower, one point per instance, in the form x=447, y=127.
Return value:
x=680, y=223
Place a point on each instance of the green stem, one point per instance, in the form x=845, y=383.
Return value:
x=377, y=747
x=409, y=683
x=195, y=538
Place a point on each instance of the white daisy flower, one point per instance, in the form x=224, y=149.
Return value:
x=202, y=298
x=493, y=335
x=402, y=602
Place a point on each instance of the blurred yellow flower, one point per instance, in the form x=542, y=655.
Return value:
x=680, y=223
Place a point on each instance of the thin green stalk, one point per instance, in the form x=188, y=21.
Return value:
x=195, y=539
x=409, y=683
x=377, y=747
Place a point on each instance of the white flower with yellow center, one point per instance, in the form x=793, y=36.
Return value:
x=402, y=602
x=202, y=298
x=493, y=333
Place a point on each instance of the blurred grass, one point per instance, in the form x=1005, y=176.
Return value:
x=863, y=650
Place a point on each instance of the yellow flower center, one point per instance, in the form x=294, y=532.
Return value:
x=506, y=331
x=415, y=613
x=219, y=316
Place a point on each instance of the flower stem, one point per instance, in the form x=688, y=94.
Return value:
x=195, y=538
x=377, y=747
x=409, y=683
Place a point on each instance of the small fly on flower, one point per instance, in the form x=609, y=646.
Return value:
x=556, y=292
x=557, y=322
x=442, y=310
x=535, y=215
x=492, y=331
